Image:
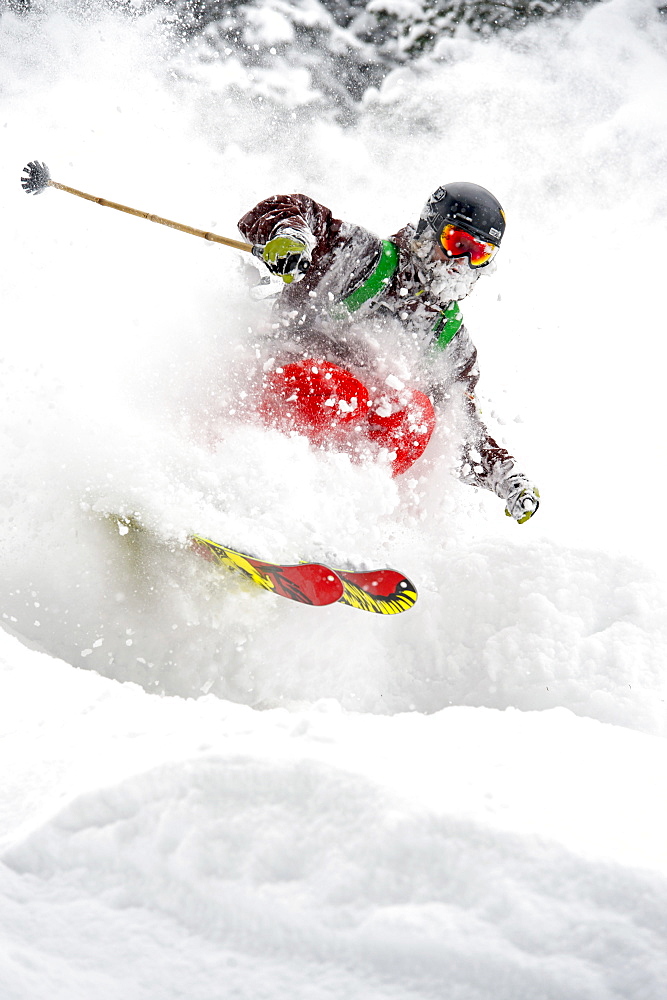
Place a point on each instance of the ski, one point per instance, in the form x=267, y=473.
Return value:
x=381, y=591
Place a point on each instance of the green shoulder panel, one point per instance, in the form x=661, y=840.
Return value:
x=446, y=326
x=376, y=280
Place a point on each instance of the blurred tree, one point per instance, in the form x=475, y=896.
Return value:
x=350, y=45
x=346, y=46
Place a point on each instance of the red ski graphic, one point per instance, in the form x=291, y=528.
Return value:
x=306, y=583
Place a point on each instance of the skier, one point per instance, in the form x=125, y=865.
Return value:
x=339, y=278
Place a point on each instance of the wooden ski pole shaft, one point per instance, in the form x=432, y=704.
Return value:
x=38, y=179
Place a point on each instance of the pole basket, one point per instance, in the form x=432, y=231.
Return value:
x=37, y=177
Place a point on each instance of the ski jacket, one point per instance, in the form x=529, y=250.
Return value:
x=351, y=278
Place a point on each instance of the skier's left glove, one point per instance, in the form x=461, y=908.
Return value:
x=287, y=255
x=522, y=500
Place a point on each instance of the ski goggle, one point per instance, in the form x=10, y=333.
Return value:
x=457, y=243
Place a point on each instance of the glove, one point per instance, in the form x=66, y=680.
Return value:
x=522, y=501
x=288, y=256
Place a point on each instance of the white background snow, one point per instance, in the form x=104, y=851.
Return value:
x=210, y=793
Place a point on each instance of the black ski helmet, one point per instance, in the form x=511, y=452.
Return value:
x=467, y=206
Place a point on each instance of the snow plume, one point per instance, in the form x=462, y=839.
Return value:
x=209, y=792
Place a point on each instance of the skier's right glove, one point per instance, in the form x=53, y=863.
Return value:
x=522, y=501
x=288, y=256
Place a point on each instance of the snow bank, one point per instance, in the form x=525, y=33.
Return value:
x=193, y=843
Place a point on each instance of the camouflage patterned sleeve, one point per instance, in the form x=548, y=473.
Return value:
x=296, y=213
x=484, y=462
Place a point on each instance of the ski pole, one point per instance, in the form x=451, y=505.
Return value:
x=37, y=179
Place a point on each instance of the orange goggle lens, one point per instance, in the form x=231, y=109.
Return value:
x=457, y=243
